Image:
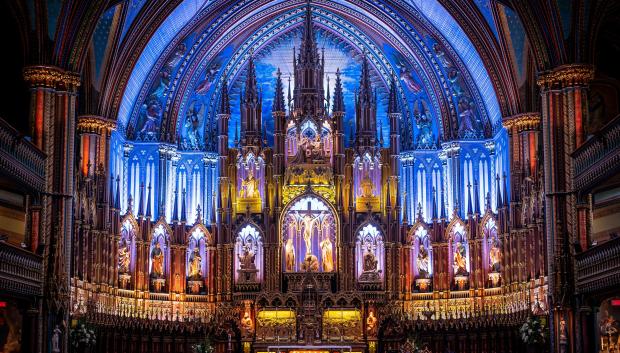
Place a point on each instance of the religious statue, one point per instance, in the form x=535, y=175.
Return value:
x=249, y=186
x=423, y=262
x=371, y=323
x=370, y=260
x=246, y=321
x=326, y=255
x=246, y=259
x=609, y=330
x=424, y=124
x=563, y=335
x=308, y=223
x=460, y=260
x=318, y=153
x=495, y=256
x=367, y=187
x=56, y=340
x=195, y=265
x=290, y=255
x=124, y=257
x=157, y=261
x=468, y=123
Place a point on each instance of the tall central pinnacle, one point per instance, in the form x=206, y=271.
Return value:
x=309, y=94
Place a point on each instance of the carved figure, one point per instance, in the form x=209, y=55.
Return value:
x=422, y=262
x=290, y=255
x=326, y=255
x=370, y=260
x=495, y=256
x=460, y=260
x=367, y=187
x=249, y=186
x=124, y=257
x=157, y=261
x=195, y=265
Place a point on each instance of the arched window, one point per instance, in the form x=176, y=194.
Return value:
x=370, y=254
x=248, y=255
x=196, y=261
x=309, y=236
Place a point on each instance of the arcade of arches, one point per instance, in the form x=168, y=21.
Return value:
x=310, y=176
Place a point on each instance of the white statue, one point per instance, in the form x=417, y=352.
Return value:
x=56, y=339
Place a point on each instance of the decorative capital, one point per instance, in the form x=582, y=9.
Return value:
x=43, y=76
x=93, y=124
x=522, y=122
x=566, y=76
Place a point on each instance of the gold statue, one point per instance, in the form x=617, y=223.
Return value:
x=371, y=322
x=326, y=252
x=246, y=260
x=195, y=265
x=495, y=256
x=124, y=257
x=290, y=255
x=460, y=260
x=157, y=261
x=367, y=187
x=249, y=186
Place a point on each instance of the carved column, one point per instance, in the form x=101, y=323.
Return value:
x=564, y=110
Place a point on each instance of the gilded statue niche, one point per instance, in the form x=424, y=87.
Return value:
x=248, y=256
x=459, y=253
x=421, y=255
x=159, y=257
x=370, y=254
x=197, y=259
x=308, y=235
x=126, y=251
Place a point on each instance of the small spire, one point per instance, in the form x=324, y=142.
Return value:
x=434, y=212
x=175, y=208
x=338, y=105
x=469, y=205
x=443, y=203
x=278, y=100
x=251, y=87
x=224, y=106
x=351, y=193
x=405, y=209
x=111, y=192
x=388, y=197
x=328, y=99
x=229, y=196
x=148, y=202
x=289, y=90
x=198, y=218
x=488, y=201
x=505, y=189
x=141, y=204
x=130, y=204
x=420, y=215
x=498, y=194
x=183, y=209
x=117, y=202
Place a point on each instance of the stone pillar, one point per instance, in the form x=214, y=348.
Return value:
x=53, y=104
x=564, y=109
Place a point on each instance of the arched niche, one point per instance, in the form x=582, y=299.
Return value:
x=197, y=260
x=421, y=256
x=250, y=176
x=369, y=253
x=459, y=253
x=159, y=257
x=367, y=175
x=126, y=263
x=248, y=255
x=307, y=141
x=309, y=235
x=491, y=250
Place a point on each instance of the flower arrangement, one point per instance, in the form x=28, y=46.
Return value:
x=533, y=331
x=83, y=337
x=205, y=347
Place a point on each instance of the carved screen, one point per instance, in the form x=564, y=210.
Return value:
x=248, y=255
x=369, y=253
x=309, y=237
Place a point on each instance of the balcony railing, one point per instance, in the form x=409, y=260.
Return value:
x=21, y=271
x=598, y=268
x=20, y=159
x=599, y=157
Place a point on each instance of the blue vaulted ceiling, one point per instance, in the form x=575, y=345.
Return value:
x=172, y=89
